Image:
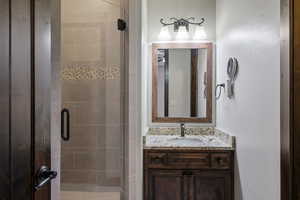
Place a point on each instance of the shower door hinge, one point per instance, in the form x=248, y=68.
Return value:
x=121, y=25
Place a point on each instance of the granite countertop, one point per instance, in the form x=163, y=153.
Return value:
x=196, y=138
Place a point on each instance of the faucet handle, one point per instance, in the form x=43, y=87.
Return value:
x=182, y=125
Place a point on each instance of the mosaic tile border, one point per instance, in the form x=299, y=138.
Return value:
x=176, y=131
x=90, y=73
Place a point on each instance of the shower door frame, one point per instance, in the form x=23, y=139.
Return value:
x=56, y=95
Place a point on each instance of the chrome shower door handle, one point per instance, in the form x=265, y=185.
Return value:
x=43, y=177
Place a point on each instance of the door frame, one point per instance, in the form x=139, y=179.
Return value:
x=287, y=98
x=25, y=92
x=56, y=107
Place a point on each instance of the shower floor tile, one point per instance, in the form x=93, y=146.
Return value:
x=72, y=195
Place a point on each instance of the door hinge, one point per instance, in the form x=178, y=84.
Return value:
x=122, y=25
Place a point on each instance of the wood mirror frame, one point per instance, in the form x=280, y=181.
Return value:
x=155, y=48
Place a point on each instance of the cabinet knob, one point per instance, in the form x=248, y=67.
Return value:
x=219, y=160
x=160, y=159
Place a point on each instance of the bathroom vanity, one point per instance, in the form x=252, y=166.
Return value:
x=181, y=163
x=192, y=174
x=196, y=167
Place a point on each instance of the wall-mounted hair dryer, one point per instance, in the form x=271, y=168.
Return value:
x=232, y=71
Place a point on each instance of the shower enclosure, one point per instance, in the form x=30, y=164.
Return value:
x=93, y=93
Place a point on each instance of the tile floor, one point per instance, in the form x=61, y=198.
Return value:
x=72, y=195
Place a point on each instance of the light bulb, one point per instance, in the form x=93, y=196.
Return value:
x=164, y=33
x=182, y=33
x=200, y=33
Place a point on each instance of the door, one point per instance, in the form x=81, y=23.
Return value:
x=211, y=185
x=92, y=82
x=24, y=98
x=166, y=185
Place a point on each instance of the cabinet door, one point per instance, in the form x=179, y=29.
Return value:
x=211, y=186
x=165, y=185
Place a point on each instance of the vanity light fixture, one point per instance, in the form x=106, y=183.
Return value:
x=182, y=33
x=182, y=27
x=164, y=33
x=200, y=33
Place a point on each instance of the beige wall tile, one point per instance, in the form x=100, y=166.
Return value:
x=91, y=113
x=83, y=90
x=87, y=33
x=67, y=160
x=113, y=90
x=79, y=177
x=113, y=159
x=67, y=35
x=110, y=137
x=90, y=160
x=113, y=113
x=68, y=53
x=86, y=52
x=87, y=11
x=84, y=137
x=103, y=180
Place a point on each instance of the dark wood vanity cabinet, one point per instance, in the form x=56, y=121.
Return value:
x=165, y=185
x=188, y=175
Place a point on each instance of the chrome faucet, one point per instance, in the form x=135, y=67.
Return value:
x=182, y=128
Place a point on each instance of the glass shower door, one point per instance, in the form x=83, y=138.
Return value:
x=92, y=75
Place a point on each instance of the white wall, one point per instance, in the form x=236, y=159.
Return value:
x=166, y=9
x=152, y=12
x=249, y=30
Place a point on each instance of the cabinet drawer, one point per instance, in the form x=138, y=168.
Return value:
x=178, y=160
x=189, y=160
x=221, y=161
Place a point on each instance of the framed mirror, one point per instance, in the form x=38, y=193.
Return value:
x=182, y=82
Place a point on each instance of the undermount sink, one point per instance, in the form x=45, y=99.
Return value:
x=186, y=141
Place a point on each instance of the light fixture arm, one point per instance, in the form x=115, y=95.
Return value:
x=181, y=22
x=198, y=23
x=168, y=24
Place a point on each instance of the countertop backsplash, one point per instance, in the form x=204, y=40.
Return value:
x=176, y=131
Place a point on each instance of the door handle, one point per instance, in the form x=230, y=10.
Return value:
x=65, y=134
x=44, y=176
